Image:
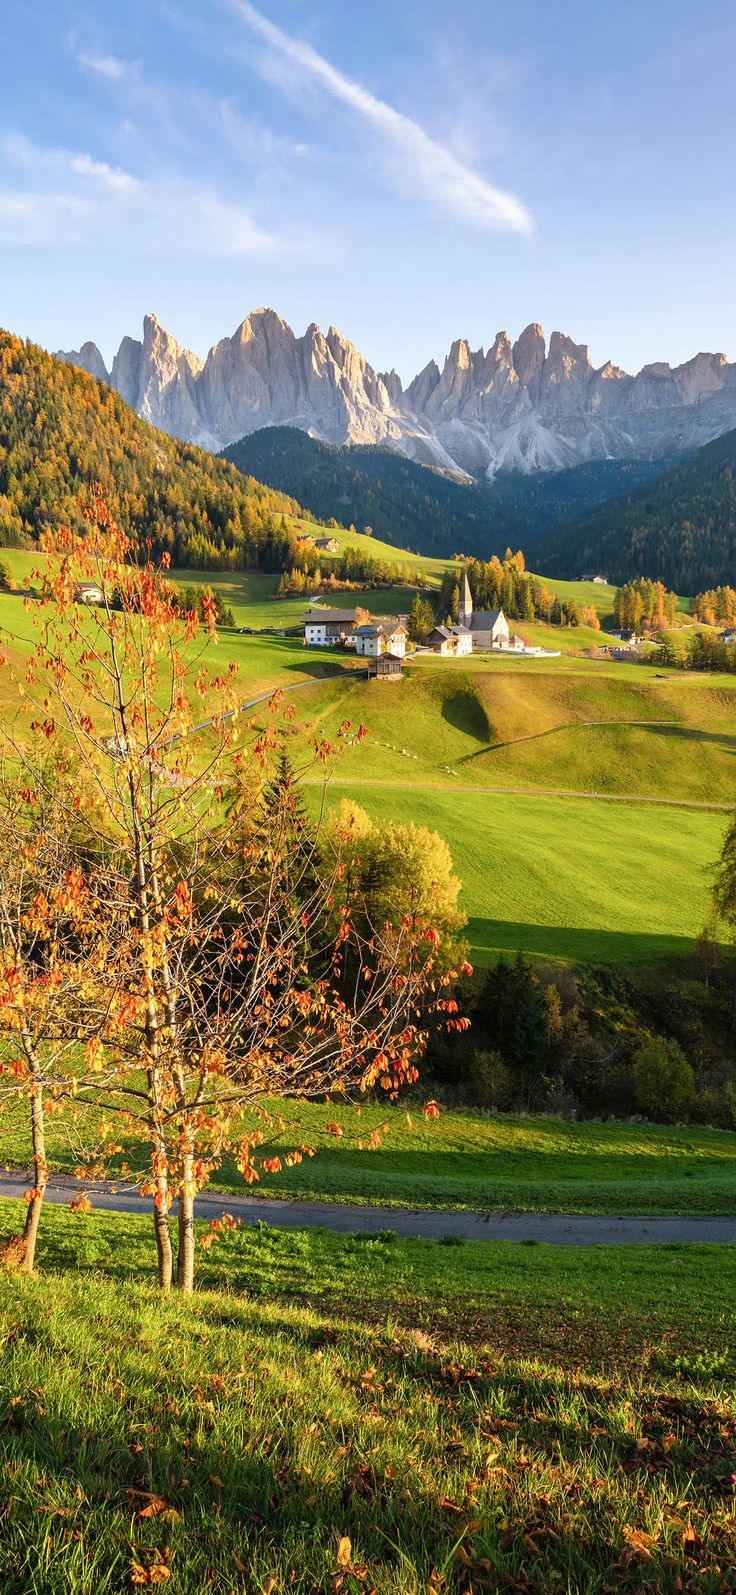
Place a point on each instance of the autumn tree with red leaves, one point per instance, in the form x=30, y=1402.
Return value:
x=215, y=940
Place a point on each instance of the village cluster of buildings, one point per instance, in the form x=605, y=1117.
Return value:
x=385, y=637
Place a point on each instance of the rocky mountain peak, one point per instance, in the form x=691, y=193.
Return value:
x=523, y=406
x=528, y=354
x=88, y=358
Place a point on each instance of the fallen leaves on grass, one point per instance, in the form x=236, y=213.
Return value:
x=154, y=1573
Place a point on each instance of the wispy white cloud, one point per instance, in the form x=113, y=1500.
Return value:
x=107, y=66
x=65, y=196
x=417, y=162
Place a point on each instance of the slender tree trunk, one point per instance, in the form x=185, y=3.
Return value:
x=185, y=1257
x=164, y=1249
x=33, y=1216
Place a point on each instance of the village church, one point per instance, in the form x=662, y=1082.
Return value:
x=489, y=628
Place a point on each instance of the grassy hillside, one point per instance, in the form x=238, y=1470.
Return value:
x=476, y=1417
x=680, y=529
x=565, y=878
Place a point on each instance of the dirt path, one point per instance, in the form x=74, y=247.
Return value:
x=557, y=1229
x=523, y=791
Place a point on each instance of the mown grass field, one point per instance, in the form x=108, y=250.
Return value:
x=463, y=1160
x=331, y=1413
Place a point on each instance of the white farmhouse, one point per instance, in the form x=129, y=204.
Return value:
x=450, y=640
x=327, y=628
x=381, y=636
x=88, y=593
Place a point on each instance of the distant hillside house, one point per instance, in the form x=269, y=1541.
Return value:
x=386, y=668
x=327, y=628
x=327, y=545
x=450, y=640
x=306, y=538
x=381, y=636
x=489, y=628
x=601, y=581
x=88, y=593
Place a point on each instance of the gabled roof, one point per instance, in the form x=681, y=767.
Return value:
x=443, y=631
x=323, y=617
x=381, y=627
x=485, y=619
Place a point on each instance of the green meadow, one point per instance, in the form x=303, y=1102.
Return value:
x=365, y=1414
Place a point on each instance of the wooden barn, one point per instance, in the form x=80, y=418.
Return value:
x=387, y=667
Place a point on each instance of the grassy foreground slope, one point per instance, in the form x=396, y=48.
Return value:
x=446, y=1419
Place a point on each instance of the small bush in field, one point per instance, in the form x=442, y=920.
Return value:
x=664, y=1081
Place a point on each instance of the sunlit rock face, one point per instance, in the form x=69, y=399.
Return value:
x=527, y=406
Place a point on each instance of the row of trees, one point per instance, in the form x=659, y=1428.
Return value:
x=716, y=607
x=644, y=605
x=703, y=650
x=506, y=584
x=598, y=1042
x=202, y=601
x=181, y=951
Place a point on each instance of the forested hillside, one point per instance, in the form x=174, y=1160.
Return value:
x=406, y=504
x=60, y=431
x=681, y=530
x=422, y=509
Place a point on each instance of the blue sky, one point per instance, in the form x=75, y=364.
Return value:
x=409, y=170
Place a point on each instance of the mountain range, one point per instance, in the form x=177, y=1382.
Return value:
x=525, y=407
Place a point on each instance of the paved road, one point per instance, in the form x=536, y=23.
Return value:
x=556, y=1228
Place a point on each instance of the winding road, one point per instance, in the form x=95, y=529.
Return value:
x=556, y=1229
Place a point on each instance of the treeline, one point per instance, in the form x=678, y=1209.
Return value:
x=681, y=528
x=506, y=584
x=597, y=1043
x=61, y=431
x=716, y=607
x=309, y=569
x=703, y=650
x=644, y=605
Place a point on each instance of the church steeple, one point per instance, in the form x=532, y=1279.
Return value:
x=465, y=607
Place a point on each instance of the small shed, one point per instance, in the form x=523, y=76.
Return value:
x=387, y=667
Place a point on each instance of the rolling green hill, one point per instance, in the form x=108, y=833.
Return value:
x=680, y=529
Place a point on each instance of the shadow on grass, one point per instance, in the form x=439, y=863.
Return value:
x=260, y=1443
x=572, y=944
x=464, y=711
